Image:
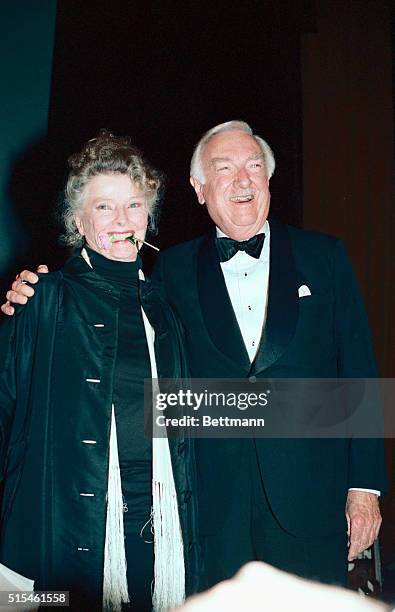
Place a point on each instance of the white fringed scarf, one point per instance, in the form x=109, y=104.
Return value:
x=169, y=568
x=115, y=584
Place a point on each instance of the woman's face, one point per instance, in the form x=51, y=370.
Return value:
x=113, y=209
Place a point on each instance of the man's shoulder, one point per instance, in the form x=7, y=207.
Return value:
x=317, y=252
x=184, y=247
x=178, y=255
x=176, y=264
x=48, y=282
x=311, y=238
x=315, y=246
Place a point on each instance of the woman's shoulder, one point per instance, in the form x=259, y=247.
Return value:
x=48, y=282
x=48, y=287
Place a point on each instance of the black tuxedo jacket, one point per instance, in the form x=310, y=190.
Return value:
x=323, y=335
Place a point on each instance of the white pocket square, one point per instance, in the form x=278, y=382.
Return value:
x=303, y=291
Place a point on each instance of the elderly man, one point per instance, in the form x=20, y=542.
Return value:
x=259, y=299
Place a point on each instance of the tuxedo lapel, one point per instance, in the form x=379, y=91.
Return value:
x=283, y=300
x=217, y=310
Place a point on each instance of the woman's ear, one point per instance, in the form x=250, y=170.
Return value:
x=79, y=225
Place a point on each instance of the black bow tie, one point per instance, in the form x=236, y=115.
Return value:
x=227, y=247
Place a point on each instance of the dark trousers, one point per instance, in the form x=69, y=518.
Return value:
x=252, y=533
x=140, y=572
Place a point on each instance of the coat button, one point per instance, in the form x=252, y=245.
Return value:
x=252, y=379
x=187, y=496
x=181, y=448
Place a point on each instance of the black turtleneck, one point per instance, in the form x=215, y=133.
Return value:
x=131, y=367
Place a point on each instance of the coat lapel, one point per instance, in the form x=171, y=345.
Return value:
x=216, y=307
x=283, y=300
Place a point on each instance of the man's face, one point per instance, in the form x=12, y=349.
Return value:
x=236, y=188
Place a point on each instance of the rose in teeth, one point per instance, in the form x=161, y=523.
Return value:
x=114, y=237
x=104, y=241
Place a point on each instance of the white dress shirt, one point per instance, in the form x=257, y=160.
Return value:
x=243, y=274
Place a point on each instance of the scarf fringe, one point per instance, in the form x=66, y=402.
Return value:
x=169, y=569
x=115, y=585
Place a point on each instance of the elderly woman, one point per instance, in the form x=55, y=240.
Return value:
x=89, y=503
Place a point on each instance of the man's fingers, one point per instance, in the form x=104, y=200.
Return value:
x=358, y=548
x=16, y=298
x=20, y=291
x=352, y=553
x=359, y=537
x=29, y=276
x=364, y=520
x=362, y=537
x=7, y=308
x=374, y=532
x=377, y=529
x=42, y=268
x=358, y=543
x=19, y=287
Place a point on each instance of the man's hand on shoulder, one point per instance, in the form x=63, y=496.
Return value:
x=363, y=520
x=20, y=292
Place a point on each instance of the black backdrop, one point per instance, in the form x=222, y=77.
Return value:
x=163, y=73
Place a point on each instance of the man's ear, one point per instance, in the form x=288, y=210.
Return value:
x=198, y=187
x=79, y=225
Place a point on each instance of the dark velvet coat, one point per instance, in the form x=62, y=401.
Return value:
x=64, y=336
x=324, y=335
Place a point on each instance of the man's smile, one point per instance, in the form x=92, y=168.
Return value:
x=241, y=198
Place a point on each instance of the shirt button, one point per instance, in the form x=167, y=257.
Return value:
x=249, y=307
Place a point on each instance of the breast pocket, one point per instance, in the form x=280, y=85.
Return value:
x=315, y=315
x=314, y=340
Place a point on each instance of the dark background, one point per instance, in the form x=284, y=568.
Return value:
x=313, y=77
x=164, y=76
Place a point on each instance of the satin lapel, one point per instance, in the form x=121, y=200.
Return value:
x=283, y=300
x=218, y=314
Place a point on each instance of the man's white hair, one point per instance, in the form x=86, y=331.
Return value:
x=230, y=126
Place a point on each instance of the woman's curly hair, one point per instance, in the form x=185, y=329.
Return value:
x=107, y=154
